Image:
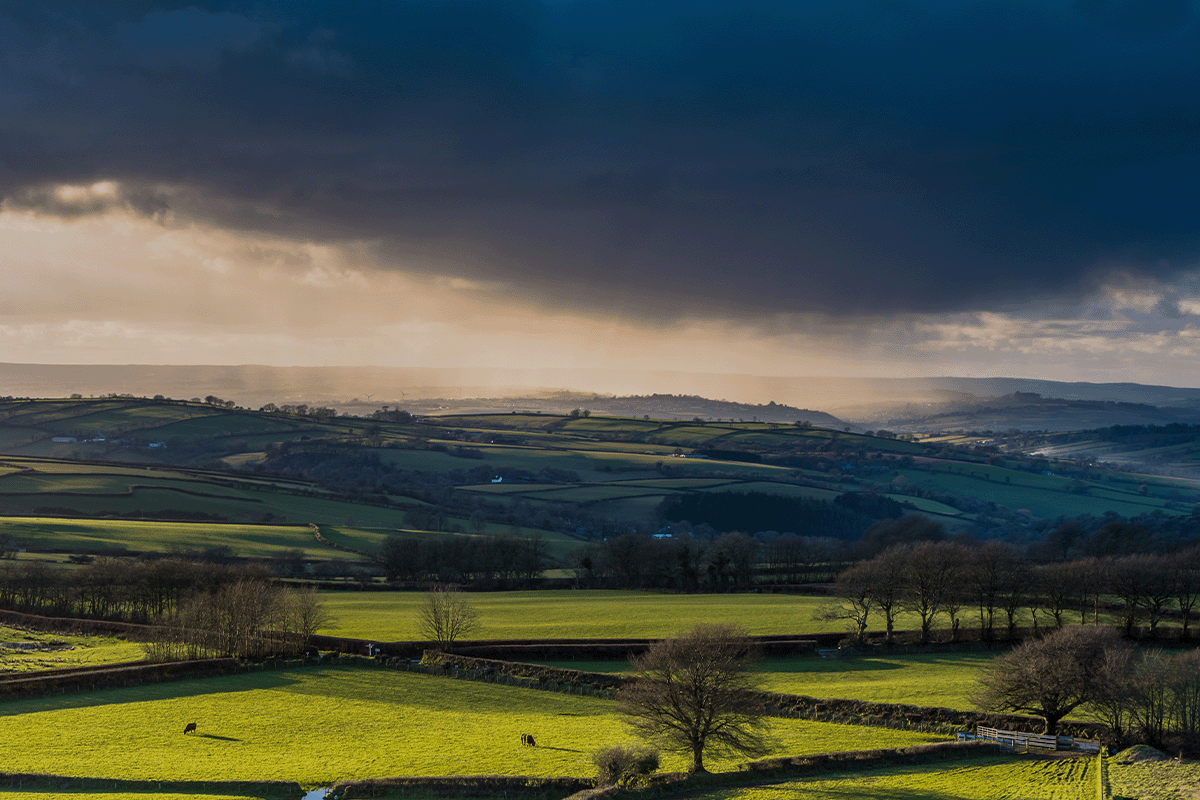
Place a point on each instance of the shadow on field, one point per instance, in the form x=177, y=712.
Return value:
x=188, y=687
x=559, y=749
x=218, y=738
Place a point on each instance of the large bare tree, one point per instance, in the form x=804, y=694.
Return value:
x=1050, y=677
x=695, y=692
x=445, y=616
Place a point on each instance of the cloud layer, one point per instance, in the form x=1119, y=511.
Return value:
x=685, y=159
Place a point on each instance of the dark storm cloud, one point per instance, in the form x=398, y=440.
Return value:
x=721, y=157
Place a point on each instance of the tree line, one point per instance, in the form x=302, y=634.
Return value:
x=1141, y=695
x=200, y=609
x=484, y=560
x=994, y=584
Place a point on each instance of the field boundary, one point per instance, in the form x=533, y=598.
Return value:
x=790, y=706
x=36, y=781
x=481, y=786
x=1103, y=785
x=27, y=686
x=753, y=773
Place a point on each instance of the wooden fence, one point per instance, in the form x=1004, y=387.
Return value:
x=1019, y=740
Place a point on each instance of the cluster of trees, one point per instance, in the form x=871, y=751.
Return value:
x=759, y=511
x=1141, y=695
x=1113, y=535
x=698, y=558
x=384, y=414
x=115, y=589
x=680, y=563
x=481, y=560
x=202, y=609
x=250, y=618
x=994, y=582
x=299, y=410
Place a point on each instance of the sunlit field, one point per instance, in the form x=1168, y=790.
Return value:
x=1155, y=780
x=942, y=680
x=580, y=614
x=30, y=651
x=318, y=725
x=991, y=778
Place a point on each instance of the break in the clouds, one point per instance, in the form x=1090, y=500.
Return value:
x=117, y=286
x=675, y=157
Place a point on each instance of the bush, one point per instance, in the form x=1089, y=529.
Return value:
x=624, y=766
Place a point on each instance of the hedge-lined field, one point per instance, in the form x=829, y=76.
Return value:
x=586, y=614
x=987, y=778
x=943, y=680
x=138, y=536
x=318, y=725
x=59, y=651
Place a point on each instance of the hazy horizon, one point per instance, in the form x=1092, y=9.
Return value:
x=254, y=385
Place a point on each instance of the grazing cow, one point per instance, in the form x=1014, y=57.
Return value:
x=191, y=728
x=529, y=740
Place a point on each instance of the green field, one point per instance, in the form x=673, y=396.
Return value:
x=319, y=725
x=940, y=680
x=582, y=614
x=30, y=651
x=596, y=470
x=1155, y=780
x=81, y=535
x=990, y=778
x=597, y=614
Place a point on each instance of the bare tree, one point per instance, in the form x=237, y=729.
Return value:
x=1049, y=677
x=885, y=577
x=1054, y=589
x=445, y=616
x=931, y=571
x=1152, y=697
x=303, y=614
x=854, y=588
x=695, y=693
x=985, y=578
x=1187, y=583
x=1113, y=702
x=1129, y=579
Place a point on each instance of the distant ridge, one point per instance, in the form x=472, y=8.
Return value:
x=859, y=399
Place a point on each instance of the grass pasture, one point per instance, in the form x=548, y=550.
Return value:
x=585, y=614
x=1155, y=780
x=30, y=651
x=985, y=778
x=318, y=725
x=943, y=680
x=83, y=534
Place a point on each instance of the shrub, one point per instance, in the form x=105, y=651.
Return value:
x=624, y=766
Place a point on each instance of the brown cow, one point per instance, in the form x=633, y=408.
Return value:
x=191, y=728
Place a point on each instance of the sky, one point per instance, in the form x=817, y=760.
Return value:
x=852, y=187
